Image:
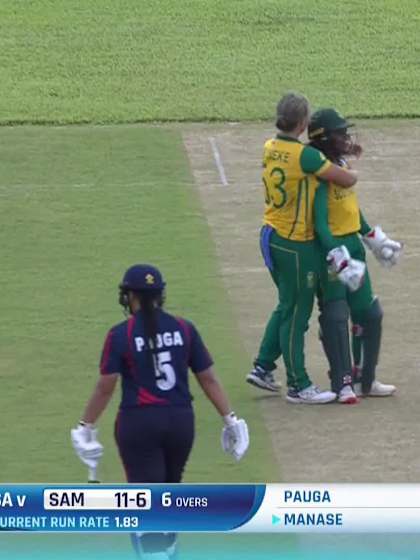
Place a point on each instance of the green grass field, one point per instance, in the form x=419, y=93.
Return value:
x=79, y=205
x=66, y=61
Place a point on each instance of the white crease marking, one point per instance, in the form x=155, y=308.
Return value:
x=218, y=160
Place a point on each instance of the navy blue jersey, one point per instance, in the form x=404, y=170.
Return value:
x=159, y=377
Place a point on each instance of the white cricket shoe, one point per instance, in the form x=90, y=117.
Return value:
x=310, y=395
x=378, y=389
x=347, y=395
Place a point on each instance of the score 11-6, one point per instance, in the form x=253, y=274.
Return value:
x=133, y=499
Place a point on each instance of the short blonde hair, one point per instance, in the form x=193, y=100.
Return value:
x=292, y=109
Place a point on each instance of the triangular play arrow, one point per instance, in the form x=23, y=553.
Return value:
x=275, y=519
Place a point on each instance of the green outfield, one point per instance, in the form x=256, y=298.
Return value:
x=79, y=205
x=66, y=61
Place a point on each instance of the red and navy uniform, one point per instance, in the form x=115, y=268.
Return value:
x=155, y=425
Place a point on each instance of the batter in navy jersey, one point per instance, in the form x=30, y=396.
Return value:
x=154, y=372
x=156, y=417
x=152, y=352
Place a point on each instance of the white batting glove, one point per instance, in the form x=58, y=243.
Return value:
x=87, y=447
x=235, y=436
x=350, y=272
x=386, y=250
x=353, y=275
x=338, y=259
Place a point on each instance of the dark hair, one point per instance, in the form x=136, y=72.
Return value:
x=325, y=146
x=332, y=148
x=292, y=109
x=150, y=302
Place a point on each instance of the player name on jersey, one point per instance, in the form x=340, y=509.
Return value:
x=164, y=340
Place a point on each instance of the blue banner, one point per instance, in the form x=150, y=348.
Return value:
x=217, y=508
x=109, y=508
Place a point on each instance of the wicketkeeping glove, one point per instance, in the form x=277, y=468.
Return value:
x=350, y=272
x=235, y=436
x=87, y=447
x=386, y=250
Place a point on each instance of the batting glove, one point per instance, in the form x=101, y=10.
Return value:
x=235, y=436
x=386, y=251
x=87, y=447
x=350, y=272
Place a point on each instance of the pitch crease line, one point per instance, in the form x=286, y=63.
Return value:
x=218, y=160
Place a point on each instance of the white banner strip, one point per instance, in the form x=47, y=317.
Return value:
x=338, y=508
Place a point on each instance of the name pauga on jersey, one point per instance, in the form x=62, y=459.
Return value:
x=166, y=339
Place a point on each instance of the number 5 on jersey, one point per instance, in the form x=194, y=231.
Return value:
x=165, y=373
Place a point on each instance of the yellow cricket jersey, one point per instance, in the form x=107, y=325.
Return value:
x=289, y=177
x=343, y=210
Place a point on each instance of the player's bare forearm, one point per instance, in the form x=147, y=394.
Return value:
x=342, y=177
x=214, y=391
x=100, y=398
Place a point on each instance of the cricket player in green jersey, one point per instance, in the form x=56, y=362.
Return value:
x=341, y=226
x=292, y=173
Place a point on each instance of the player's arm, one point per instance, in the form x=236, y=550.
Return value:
x=83, y=437
x=342, y=177
x=235, y=437
x=364, y=226
x=314, y=162
x=201, y=363
x=214, y=391
x=110, y=366
x=328, y=241
x=100, y=398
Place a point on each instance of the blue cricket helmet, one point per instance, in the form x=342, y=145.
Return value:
x=140, y=277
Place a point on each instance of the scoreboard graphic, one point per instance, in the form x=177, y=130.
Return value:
x=246, y=508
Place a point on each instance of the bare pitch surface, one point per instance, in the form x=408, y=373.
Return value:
x=377, y=440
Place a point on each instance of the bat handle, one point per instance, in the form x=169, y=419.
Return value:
x=93, y=475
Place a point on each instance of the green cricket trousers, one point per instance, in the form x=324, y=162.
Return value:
x=294, y=267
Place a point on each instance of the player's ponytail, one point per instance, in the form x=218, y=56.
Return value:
x=150, y=303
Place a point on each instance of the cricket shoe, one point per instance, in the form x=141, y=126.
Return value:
x=310, y=395
x=264, y=379
x=378, y=389
x=347, y=395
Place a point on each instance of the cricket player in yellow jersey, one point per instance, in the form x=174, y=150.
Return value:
x=339, y=225
x=292, y=172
